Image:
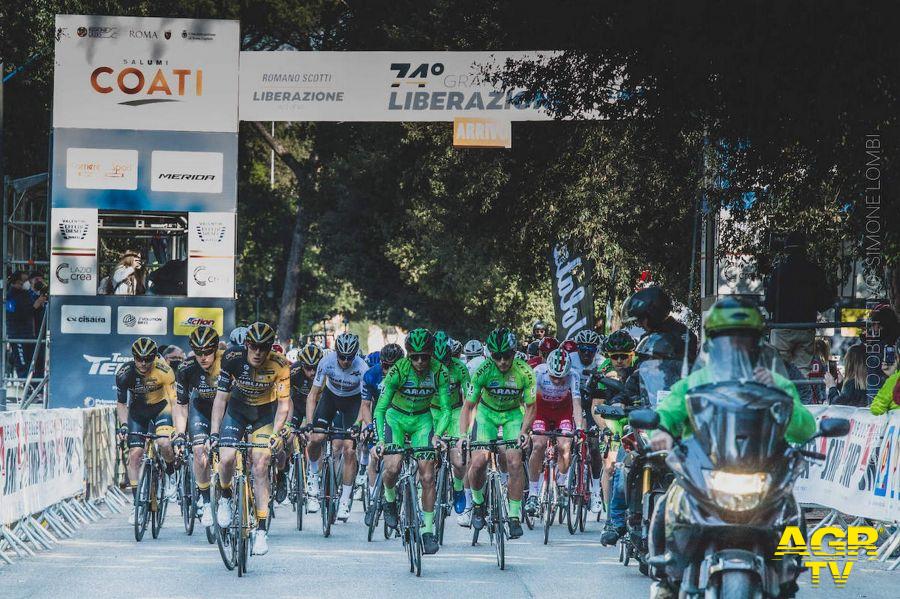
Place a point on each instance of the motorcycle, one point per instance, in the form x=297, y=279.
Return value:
x=715, y=533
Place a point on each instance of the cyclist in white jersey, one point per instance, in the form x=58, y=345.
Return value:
x=585, y=361
x=339, y=381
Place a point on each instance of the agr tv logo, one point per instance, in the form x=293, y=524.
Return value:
x=835, y=548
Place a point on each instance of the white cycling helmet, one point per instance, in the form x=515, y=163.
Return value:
x=292, y=354
x=238, y=335
x=558, y=363
x=346, y=345
x=588, y=337
x=473, y=348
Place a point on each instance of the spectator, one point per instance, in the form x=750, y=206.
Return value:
x=128, y=276
x=796, y=291
x=173, y=355
x=39, y=289
x=818, y=367
x=853, y=390
x=20, y=308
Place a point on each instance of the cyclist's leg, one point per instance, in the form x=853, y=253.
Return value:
x=423, y=431
x=349, y=410
x=138, y=423
x=260, y=459
x=232, y=431
x=163, y=426
x=323, y=417
x=198, y=425
x=488, y=424
x=512, y=425
x=564, y=446
x=536, y=460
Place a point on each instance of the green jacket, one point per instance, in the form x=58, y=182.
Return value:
x=884, y=399
x=673, y=410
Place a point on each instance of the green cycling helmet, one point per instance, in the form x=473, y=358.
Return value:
x=419, y=341
x=733, y=316
x=501, y=340
x=441, y=346
x=619, y=342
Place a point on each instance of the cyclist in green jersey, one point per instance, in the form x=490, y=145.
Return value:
x=500, y=388
x=459, y=382
x=404, y=410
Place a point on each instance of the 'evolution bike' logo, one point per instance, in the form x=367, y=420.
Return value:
x=139, y=78
x=859, y=540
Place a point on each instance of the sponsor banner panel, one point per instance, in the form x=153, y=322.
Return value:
x=86, y=320
x=573, y=301
x=189, y=318
x=73, y=251
x=211, y=240
x=174, y=171
x=142, y=320
x=380, y=86
x=42, y=455
x=211, y=277
x=146, y=73
x=97, y=168
x=84, y=365
x=860, y=475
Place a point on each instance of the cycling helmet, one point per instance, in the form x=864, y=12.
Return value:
x=558, y=363
x=473, y=348
x=538, y=324
x=203, y=339
x=548, y=344
x=419, y=341
x=144, y=347
x=310, y=355
x=651, y=303
x=455, y=348
x=501, y=340
x=533, y=348
x=260, y=333
x=660, y=346
x=390, y=353
x=346, y=345
x=619, y=342
x=238, y=335
x=277, y=347
x=569, y=346
x=587, y=337
x=373, y=359
x=292, y=354
x=441, y=346
x=733, y=316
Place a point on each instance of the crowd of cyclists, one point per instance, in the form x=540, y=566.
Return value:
x=527, y=409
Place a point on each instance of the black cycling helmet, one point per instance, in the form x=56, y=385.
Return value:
x=618, y=342
x=660, y=346
x=144, y=347
x=310, y=355
x=533, y=348
x=651, y=303
x=204, y=339
x=260, y=333
x=390, y=353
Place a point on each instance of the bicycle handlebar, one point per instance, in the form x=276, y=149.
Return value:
x=408, y=450
x=553, y=434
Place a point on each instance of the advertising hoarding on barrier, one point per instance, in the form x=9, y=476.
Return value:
x=573, y=301
x=73, y=251
x=87, y=363
x=146, y=73
x=379, y=86
x=211, y=237
x=173, y=170
x=42, y=460
x=861, y=473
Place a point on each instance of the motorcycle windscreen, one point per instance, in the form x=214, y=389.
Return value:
x=737, y=358
x=739, y=425
x=656, y=378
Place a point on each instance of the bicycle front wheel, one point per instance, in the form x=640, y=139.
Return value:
x=188, y=495
x=299, y=488
x=157, y=501
x=325, y=504
x=142, y=503
x=242, y=526
x=498, y=510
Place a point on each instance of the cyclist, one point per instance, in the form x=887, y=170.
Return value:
x=538, y=330
x=585, y=361
x=341, y=374
x=373, y=384
x=456, y=349
x=558, y=407
x=501, y=387
x=474, y=354
x=459, y=382
x=236, y=338
x=151, y=384
x=253, y=391
x=547, y=345
x=195, y=390
x=404, y=410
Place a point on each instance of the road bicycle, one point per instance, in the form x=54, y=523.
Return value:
x=578, y=478
x=297, y=478
x=150, y=502
x=188, y=493
x=497, y=517
x=331, y=475
x=551, y=499
x=443, y=501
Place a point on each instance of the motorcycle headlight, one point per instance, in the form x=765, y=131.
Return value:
x=737, y=492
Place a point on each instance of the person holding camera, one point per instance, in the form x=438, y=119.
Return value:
x=21, y=305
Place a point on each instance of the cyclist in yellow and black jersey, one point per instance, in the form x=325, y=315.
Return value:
x=195, y=390
x=151, y=384
x=253, y=392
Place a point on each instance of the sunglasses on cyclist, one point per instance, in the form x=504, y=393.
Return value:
x=503, y=355
x=144, y=359
x=419, y=357
x=619, y=356
x=259, y=347
x=588, y=348
x=204, y=352
x=346, y=357
x=386, y=365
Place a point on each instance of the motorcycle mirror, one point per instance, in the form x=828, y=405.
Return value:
x=609, y=412
x=833, y=427
x=644, y=419
x=613, y=384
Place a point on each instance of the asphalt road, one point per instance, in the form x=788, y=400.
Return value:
x=103, y=560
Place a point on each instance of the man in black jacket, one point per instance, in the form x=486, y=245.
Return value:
x=796, y=291
x=20, y=307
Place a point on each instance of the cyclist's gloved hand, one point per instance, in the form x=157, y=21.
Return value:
x=122, y=432
x=438, y=443
x=213, y=441
x=275, y=441
x=523, y=441
x=379, y=449
x=178, y=441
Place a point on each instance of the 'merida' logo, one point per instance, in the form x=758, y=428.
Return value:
x=829, y=545
x=162, y=85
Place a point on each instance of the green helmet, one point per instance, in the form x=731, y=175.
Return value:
x=501, y=340
x=419, y=341
x=619, y=341
x=732, y=315
x=441, y=346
